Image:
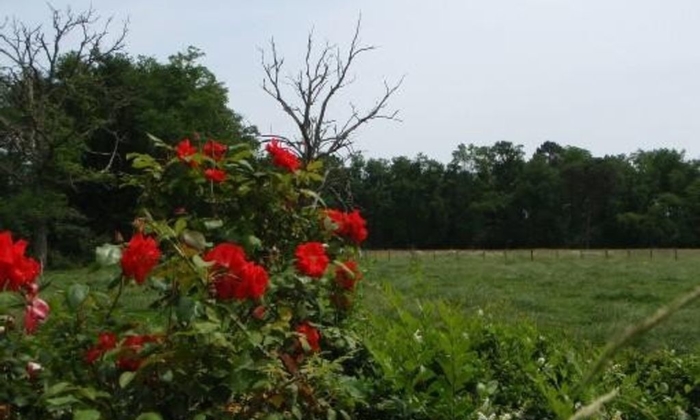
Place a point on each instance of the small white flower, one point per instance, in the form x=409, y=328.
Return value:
x=418, y=336
x=33, y=369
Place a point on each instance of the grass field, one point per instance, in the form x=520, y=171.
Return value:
x=588, y=295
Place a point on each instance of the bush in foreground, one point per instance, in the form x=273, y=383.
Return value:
x=252, y=280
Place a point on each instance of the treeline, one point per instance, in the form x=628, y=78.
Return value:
x=493, y=197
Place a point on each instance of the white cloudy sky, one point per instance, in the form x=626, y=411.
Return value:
x=612, y=76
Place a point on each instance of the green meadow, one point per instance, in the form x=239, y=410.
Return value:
x=583, y=295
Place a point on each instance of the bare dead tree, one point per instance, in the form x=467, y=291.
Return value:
x=42, y=70
x=314, y=88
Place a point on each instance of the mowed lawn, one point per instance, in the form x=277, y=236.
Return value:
x=588, y=295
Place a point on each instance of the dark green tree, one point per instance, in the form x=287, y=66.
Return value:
x=47, y=78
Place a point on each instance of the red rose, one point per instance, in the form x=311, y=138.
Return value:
x=185, y=151
x=16, y=270
x=355, y=227
x=311, y=259
x=282, y=157
x=214, y=149
x=256, y=280
x=227, y=286
x=350, y=225
x=107, y=341
x=129, y=359
x=337, y=217
x=248, y=282
x=311, y=335
x=226, y=255
x=139, y=257
x=134, y=342
x=215, y=175
x=347, y=275
x=129, y=363
x=234, y=277
x=93, y=354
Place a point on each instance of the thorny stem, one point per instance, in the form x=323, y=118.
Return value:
x=116, y=298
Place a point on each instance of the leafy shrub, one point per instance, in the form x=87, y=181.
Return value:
x=247, y=282
x=454, y=366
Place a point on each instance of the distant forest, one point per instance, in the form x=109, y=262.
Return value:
x=493, y=197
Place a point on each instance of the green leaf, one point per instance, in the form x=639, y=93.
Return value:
x=92, y=394
x=108, y=254
x=200, y=263
x=180, y=225
x=186, y=309
x=205, y=327
x=157, y=142
x=149, y=416
x=61, y=401
x=77, y=293
x=194, y=239
x=331, y=414
x=143, y=161
x=245, y=164
x=9, y=300
x=58, y=389
x=86, y=415
x=254, y=242
x=212, y=224
x=126, y=378
x=167, y=376
x=315, y=165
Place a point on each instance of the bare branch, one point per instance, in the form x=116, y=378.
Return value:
x=323, y=75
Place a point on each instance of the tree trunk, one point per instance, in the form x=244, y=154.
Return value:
x=40, y=242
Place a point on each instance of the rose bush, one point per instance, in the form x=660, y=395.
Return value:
x=248, y=280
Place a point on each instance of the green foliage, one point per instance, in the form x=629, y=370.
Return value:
x=451, y=364
x=454, y=364
x=181, y=348
x=493, y=197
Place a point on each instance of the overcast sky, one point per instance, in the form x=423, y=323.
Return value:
x=611, y=76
